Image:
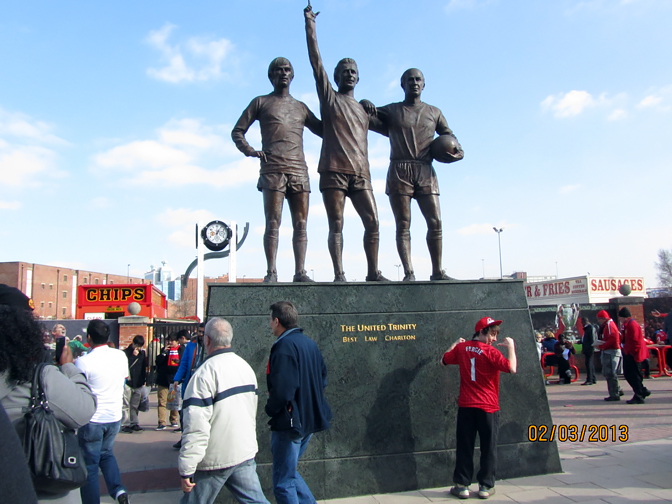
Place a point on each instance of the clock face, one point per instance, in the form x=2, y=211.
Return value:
x=216, y=235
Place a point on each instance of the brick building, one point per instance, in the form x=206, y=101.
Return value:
x=54, y=288
x=186, y=306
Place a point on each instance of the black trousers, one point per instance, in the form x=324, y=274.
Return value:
x=564, y=374
x=590, y=367
x=469, y=422
x=633, y=374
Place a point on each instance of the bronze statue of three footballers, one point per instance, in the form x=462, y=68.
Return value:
x=344, y=166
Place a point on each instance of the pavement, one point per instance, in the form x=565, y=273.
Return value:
x=600, y=471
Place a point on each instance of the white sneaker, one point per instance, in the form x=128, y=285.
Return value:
x=485, y=492
x=460, y=492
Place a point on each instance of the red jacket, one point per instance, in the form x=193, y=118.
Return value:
x=634, y=341
x=611, y=336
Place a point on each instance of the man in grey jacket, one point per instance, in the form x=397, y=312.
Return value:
x=219, y=439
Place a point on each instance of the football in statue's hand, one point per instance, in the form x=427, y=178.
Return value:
x=446, y=149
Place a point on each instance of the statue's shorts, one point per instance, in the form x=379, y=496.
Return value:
x=411, y=178
x=284, y=182
x=348, y=182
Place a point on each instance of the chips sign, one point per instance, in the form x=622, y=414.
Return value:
x=113, y=300
x=586, y=289
x=108, y=294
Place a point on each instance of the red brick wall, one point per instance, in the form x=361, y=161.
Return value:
x=128, y=332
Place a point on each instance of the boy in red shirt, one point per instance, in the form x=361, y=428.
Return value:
x=480, y=364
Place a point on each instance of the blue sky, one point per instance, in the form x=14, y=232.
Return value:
x=115, y=122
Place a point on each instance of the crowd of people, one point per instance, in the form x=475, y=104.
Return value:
x=100, y=393
x=623, y=348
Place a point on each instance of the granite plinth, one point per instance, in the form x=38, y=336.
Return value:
x=394, y=405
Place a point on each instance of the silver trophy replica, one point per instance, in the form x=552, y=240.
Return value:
x=568, y=314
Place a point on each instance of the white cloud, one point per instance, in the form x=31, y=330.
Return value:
x=184, y=152
x=22, y=165
x=233, y=174
x=181, y=216
x=617, y=115
x=26, y=129
x=379, y=187
x=569, y=188
x=183, y=221
x=27, y=154
x=196, y=59
x=657, y=99
x=9, y=205
x=568, y=104
x=146, y=153
x=651, y=101
x=576, y=102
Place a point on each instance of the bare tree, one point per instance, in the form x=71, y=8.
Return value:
x=664, y=267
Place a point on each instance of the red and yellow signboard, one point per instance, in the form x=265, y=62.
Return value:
x=112, y=300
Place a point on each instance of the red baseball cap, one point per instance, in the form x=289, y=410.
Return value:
x=486, y=322
x=603, y=314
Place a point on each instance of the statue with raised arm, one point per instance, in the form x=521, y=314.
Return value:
x=284, y=173
x=344, y=164
x=410, y=126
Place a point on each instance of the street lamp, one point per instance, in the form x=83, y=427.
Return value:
x=398, y=266
x=128, y=273
x=499, y=239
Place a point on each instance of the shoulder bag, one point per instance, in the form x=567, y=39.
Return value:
x=52, y=451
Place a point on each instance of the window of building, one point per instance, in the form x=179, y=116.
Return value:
x=65, y=278
x=63, y=312
x=43, y=286
x=65, y=294
x=95, y=281
x=51, y=286
x=49, y=304
x=111, y=281
x=42, y=303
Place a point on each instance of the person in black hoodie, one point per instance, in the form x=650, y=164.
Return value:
x=137, y=369
x=296, y=377
x=587, y=349
x=167, y=363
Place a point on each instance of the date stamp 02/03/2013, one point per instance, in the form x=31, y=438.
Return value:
x=591, y=433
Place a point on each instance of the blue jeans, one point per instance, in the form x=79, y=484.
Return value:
x=96, y=441
x=241, y=480
x=288, y=485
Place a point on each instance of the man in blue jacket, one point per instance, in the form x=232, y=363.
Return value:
x=192, y=357
x=296, y=377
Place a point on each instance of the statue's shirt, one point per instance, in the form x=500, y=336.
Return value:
x=282, y=119
x=411, y=129
x=346, y=125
